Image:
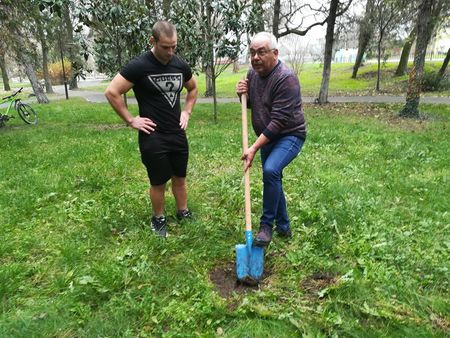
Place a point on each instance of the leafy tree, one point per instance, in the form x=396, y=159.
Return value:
x=121, y=30
x=428, y=15
x=210, y=35
x=73, y=45
x=15, y=17
x=68, y=30
x=257, y=13
x=45, y=25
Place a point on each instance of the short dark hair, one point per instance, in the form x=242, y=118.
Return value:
x=163, y=27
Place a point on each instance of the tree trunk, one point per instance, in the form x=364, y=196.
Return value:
x=75, y=59
x=379, y=62
x=365, y=33
x=276, y=18
x=381, y=29
x=444, y=65
x=214, y=94
x=425, y=26
x=403, y=63
x=47, y=80
x=44, y=47
x=209, y=71
x=31, y=74
x=4, y=71
x=329, y=39
x=208, y=78
x=37, y=89
x=21, y=51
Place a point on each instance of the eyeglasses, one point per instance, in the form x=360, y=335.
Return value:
x=260, y=52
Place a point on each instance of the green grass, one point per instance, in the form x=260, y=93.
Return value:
x=368, y=198
x=341, y=82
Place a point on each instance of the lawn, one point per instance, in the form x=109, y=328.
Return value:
x=368, y=199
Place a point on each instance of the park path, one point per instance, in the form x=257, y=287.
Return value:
x=98, y=97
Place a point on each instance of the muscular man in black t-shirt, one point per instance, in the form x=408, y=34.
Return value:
x=157, y=78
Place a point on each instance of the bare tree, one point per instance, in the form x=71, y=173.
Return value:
x=406, y=50
x=297, y=53
x=444, y=65
x=387, y=15
x=288, y=19
x=366, y=29
x=333, y=13
x=428, y=16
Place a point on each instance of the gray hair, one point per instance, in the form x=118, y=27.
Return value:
x=273, y=44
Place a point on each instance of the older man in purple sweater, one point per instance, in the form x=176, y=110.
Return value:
x=278, y=120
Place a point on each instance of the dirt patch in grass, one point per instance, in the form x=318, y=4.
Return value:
x=102, y=127
x=440, y=323
x=318, y=281
x=226, y=283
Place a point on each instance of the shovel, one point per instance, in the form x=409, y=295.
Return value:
x=249, y=259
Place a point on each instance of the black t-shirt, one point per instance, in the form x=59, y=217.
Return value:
x=157, y=88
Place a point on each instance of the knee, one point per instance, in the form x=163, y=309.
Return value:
x=178, y=182
x=160, y=188
x=271, y=174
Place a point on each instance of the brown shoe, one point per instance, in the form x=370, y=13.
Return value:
x=264, y=236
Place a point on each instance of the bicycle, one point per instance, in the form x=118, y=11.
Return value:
x=24, y=110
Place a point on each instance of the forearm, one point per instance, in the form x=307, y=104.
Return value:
x=260, y=142
x=191, y=98
x=116, y=101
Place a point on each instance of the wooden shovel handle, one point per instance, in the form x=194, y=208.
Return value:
x=248, y=220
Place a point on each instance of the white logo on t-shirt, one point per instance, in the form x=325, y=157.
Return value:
x=169, y=85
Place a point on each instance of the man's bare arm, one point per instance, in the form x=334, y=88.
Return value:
x=191, y=97
x=119, y=86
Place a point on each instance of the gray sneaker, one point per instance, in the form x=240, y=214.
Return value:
x=159, y=226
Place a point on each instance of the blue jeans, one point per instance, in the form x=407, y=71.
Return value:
x=275, y=156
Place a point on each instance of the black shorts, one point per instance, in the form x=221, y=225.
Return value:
x=164, y=155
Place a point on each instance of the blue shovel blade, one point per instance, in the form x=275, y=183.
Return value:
x=249, y=263
x=256, y=262
x=242, y=262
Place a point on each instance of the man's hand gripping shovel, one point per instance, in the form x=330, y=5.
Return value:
x=249, y=259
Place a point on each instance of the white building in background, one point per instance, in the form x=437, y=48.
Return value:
x=440, y=44
x=345, y=55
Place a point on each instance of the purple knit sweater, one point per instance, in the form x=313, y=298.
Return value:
x=276, y=103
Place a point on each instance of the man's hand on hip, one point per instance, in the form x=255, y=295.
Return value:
x=143, y=123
